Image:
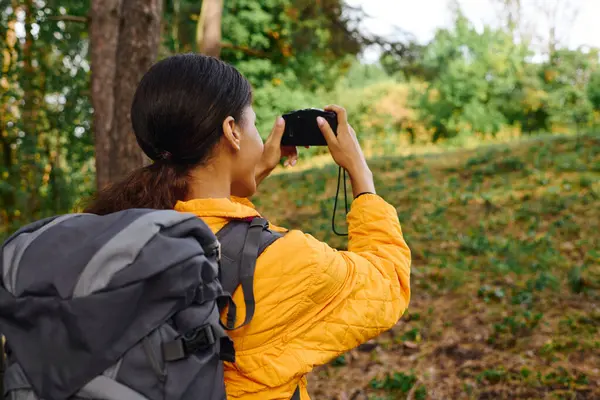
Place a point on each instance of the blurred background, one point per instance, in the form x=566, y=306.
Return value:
x=480, y=119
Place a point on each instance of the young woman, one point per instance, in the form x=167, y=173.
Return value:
x=192, y=115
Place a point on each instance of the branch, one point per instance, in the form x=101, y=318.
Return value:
x=69, y=18
x=244, y=49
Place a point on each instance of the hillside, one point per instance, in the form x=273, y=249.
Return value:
x=506, y=274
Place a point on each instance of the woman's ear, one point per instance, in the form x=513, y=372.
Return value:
x=232, y=133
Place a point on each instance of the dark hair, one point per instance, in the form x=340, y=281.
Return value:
x=177, y=116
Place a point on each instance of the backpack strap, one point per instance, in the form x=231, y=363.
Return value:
x=296, y=395
x=2, y=364
x=242, y=242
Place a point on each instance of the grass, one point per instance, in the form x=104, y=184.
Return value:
x=506, y=271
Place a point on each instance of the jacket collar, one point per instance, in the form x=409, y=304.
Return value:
x=227, y=208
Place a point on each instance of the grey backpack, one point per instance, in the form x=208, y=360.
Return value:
x=123, y=306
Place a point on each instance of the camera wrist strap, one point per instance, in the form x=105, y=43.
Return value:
x=337, y=193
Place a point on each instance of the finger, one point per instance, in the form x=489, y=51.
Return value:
x=288, y=151
x=342, y=115
x=293, y=156
x=326, y=130
x=278, y=129
x=293, y=159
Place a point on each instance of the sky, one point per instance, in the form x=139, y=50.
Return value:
x=423, y=17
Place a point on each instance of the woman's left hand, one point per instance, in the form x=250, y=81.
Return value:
x=273, y=152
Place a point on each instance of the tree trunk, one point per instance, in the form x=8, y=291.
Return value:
x=138, y=47
x=208, y=33
x=104, y=37
x=125, y=37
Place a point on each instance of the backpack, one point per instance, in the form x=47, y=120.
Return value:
x=124, y=306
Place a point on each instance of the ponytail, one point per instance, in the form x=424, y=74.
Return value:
x=158, y=186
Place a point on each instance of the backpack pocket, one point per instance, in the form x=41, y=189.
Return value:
x=197, y=368
x=172, y=365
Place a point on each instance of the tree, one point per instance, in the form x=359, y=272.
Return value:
x=474, y=77
x=405, y=58
x=288, y=49
x=208, y=35
x=567, y=76
x=45, y=147
x=125, y=36
x=304, y=43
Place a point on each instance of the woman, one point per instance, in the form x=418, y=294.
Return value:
x=193, y=116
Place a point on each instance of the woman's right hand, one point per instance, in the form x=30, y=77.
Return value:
x=346, y=151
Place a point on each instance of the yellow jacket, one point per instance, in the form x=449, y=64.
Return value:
x=313, y=302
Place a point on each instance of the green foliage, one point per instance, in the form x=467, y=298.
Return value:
x=482, y=82
x=489, y=293
x=475, y=78
x=272, y=100
x=566, y=77
x=521, y=324
x=593, y=89
x=292, y=51
x=339, y=361
x=302, y=43
x=309, y=39
x=405, y=61
x=492, y=376
x=397, y=381
x=412, y=335
x=45, y=138
x=576, y=281
x=287, y=48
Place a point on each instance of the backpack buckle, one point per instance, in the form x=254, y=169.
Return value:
x=218, y=251
x=197, y=339
x=189, y=343
x=259, y=222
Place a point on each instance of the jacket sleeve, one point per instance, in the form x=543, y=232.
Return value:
x=357, y=294
x=314, y=302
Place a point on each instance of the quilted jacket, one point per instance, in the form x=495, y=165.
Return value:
x=313, y=302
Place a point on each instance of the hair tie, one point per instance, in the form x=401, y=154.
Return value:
x=165, y=155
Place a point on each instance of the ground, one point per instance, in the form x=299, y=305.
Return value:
x=506, y=272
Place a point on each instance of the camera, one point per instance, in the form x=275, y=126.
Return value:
x=301, y=127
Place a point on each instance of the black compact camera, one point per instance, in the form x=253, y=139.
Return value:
x=301, y=127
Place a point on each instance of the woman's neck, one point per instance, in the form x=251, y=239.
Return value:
x=209, y=182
